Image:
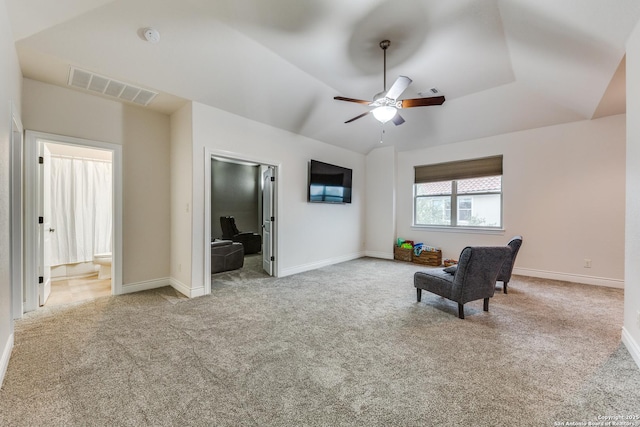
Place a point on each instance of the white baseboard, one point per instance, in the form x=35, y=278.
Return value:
x=379, y=254
x=575, y=278
x=632, y=346
x=319, y=264
x=160, y=283
x=186, y=290
x=145, y=286
x=6, y=355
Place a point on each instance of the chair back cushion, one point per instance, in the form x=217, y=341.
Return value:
x=228, y=225
x=233, y=225
x=478, y=267
x=507, y=267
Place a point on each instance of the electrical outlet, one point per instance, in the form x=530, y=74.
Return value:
x=587, y=263
x=180, y=268
x=638, y=319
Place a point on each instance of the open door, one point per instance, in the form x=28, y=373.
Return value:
x=44, y=220
x=268, y=219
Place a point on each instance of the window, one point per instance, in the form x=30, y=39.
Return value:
x=433, y=203
x=464, y=209
x=459, y=194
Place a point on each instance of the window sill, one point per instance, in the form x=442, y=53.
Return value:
x=466, y=230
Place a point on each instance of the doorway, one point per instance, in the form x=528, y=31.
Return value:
x=73, y=187
x=257, y=212
x=80, y=216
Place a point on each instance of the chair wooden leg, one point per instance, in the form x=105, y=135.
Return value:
x=504, y=287
x=486, y=304
x=461, y=311
x=419, y=291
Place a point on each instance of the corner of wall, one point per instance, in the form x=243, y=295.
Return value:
x=380, y=208
x=632, y=346
x=181, y=154
x=4, y=359
x=631, y=328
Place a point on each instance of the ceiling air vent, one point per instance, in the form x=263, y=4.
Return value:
x=104, y=85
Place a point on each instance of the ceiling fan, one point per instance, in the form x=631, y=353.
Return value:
x=386, y=103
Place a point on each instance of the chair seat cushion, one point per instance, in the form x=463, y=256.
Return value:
x=218, y=243
x=436, y=281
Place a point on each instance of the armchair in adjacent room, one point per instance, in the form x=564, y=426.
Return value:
x=251, y=241
x=507, y=268
x=226, y=255
x=473, y=279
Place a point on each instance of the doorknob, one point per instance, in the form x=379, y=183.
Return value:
x=51, y=230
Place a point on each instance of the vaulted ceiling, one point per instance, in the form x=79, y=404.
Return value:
x=503, y=65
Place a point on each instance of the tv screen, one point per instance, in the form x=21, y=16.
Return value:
x=329, y=183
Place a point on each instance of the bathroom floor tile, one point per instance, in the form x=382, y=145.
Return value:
x=65, y=291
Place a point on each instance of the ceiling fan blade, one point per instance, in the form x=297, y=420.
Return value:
x=398, y=87
x=397, y=119
x=358, y=117
x=422, y=102
x=359, y=101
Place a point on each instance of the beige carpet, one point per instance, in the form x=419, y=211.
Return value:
x=341, y=345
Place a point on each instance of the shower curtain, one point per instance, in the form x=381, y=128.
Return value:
x=81, y=213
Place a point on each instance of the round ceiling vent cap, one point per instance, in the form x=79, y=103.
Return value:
x=152, y=35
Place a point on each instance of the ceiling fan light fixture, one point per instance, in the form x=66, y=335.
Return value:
x=384, y=113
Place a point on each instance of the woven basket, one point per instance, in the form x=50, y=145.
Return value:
x=402, y=254
x=431, y=258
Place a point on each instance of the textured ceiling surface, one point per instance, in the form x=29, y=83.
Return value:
x=503, y=65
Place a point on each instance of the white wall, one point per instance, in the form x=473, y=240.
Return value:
x=10, y=93
x=631, y=329
x=181, y=198
x=563, y=191
x=145, y=139
x=310, y=234
x=146, y=182
x=381, y=206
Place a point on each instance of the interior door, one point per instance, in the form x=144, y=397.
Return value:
x=44, y=228
x=267, y=220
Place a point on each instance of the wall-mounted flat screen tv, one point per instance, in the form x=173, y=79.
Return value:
x=329, y=183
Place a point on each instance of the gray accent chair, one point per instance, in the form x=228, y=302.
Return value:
x=473, y=279
x=226, y=255
x=507, y=268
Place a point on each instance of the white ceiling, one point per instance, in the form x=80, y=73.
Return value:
x=503, y=65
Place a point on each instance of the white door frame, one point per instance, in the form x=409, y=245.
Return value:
x=209, y=154
x=44, y=229
x=16, y=214
x=32, y=139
